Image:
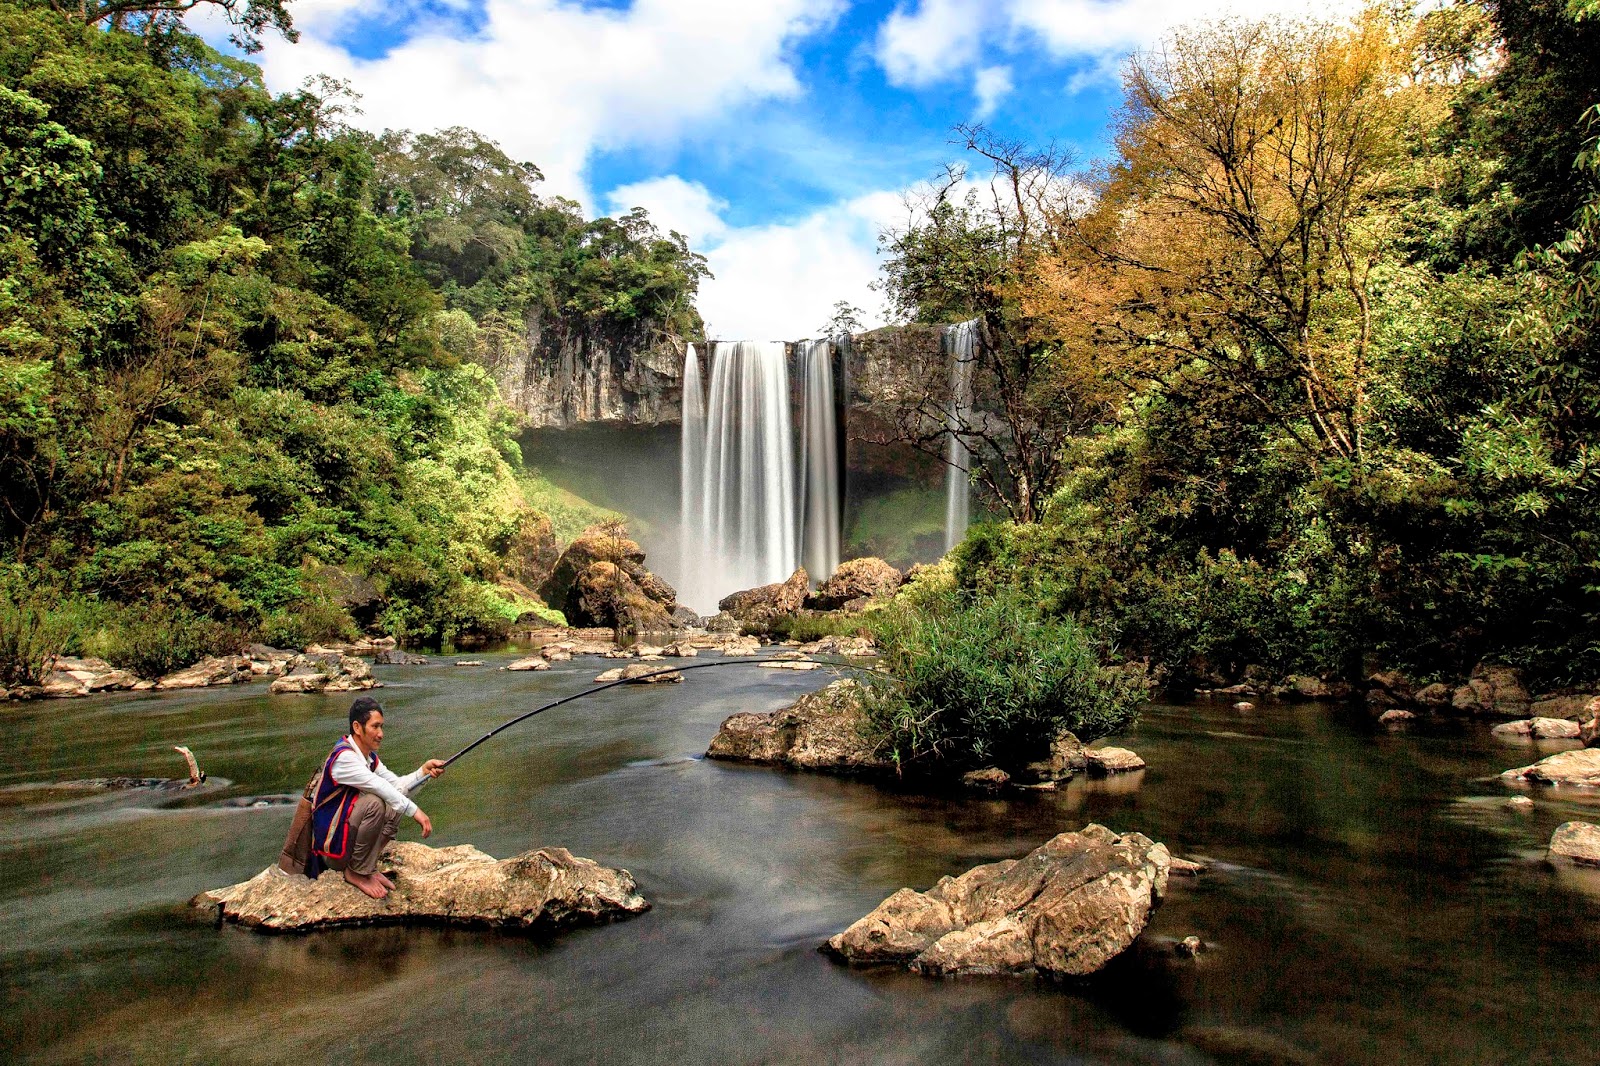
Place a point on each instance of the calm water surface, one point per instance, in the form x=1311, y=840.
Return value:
x=1372, y=899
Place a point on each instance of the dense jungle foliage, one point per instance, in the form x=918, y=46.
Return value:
x=1319, y=348
x=240, y=344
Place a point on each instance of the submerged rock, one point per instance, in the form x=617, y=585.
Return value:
x=327, y=672
x=848, y=646
x=989, y=779
x=212, y=670
x=1113, y=760
x=396, y=657
x=1538, y=729
x=1578, y=841
x=822, y=730
x=792, y=664
x=66, y=676
x=1065, y=909
x=1581, y=766
x=460, y=885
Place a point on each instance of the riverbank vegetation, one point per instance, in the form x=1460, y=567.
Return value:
x=1317, y=348
x=242, y=393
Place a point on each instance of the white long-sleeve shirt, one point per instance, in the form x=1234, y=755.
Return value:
x=351, y=769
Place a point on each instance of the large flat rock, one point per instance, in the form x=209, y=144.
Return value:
x=1579, y=767
x=460, y=885
x=1065, y=909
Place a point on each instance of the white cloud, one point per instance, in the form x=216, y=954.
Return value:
x=777, y=281
x=931, y=43
x=674, y=204
x=990, y=85
x=553, y=81
x=941, y=40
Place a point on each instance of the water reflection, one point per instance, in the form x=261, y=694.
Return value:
x=1371, y=898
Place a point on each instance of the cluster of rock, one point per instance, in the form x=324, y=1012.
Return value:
x=826, y=731
x=1064, y=910
x=854, y=585
x=547, y=888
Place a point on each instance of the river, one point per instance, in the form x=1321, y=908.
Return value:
x=1371, y=900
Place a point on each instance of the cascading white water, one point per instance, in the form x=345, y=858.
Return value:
x=691, y=461
x=961, y=344
x=819, y=477
x=739, y=523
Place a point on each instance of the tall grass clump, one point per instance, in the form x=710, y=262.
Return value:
x=989, y=681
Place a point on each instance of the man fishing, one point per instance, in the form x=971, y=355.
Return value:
x=352, y=808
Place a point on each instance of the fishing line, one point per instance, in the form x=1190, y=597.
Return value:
x=502, y=727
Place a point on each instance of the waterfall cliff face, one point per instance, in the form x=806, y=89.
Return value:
x=555, y=378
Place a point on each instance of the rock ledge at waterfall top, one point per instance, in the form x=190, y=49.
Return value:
x=1064, y=910
x=547, y=888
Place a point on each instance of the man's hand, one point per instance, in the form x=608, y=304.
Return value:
x=423, y=820
x=433, y=767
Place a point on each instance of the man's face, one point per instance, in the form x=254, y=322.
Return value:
x=368, y=734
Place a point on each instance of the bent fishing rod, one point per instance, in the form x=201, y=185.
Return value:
x=502, y=727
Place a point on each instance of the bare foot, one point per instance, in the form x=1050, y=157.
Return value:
x=367, y=884
x=384, y=879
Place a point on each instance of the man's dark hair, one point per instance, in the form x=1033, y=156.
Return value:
x=363, y=708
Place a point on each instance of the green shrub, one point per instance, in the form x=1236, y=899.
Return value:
x=156, y=639
x=985, y=681
x=30, y=633
x=808, y=627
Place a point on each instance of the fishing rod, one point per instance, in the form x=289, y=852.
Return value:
x=502, y=727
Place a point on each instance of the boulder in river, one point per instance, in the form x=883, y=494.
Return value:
x=1065, y=909
x=531, y=662
x=822, y=730
x=460, y=885
x=396, y=657
x=1066, y=757
x=1581, y=766
x=1113, y=760
x=1578, y=841
x=66, y=676
x=758, y=608
x=326, y=672
x=855, y=583
x=1494, y=691
x=650, y=674
x=212, y=670
x=1396, y=716
x=601, y=580
x=1538, y=729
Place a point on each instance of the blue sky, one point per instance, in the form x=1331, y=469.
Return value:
x=779, y=135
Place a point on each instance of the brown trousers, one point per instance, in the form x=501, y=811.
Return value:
x=373, y=823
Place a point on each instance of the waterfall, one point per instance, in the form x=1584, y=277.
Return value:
x=691, y=461
x=819, y=454
x=961, y=344
x=739, y=519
